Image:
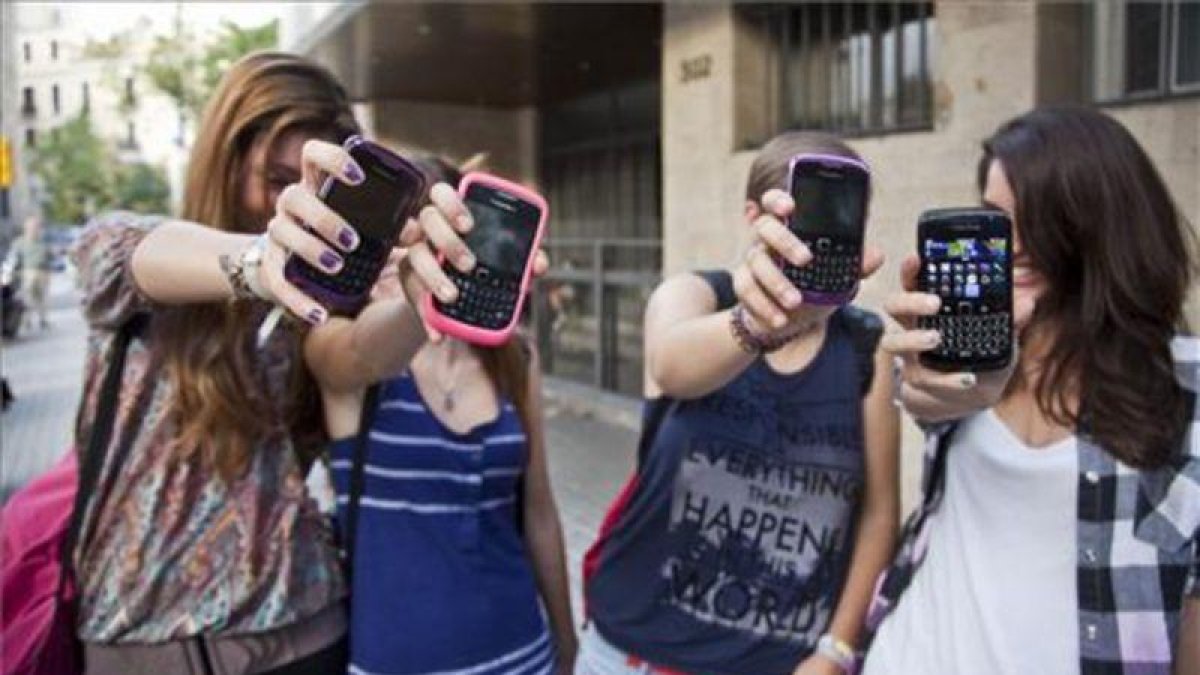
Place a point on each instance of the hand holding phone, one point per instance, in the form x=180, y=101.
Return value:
x=966, y=260
x=509, y=222
x=831, y=194
x=377, y=208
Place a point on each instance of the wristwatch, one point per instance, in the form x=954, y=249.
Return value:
x=242, y=271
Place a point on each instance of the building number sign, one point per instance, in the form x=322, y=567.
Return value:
x=695, y=68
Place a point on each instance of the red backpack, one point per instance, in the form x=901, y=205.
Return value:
x=39, y=529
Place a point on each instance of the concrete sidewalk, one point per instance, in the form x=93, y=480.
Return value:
x=45, y=370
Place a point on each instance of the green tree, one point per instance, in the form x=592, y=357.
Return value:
x=81, y=176
x=75, y=168
x=232, y=42
x=141, y=187
x=186, y=68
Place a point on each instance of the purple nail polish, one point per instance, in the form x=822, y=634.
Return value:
x=354, y=173
x=315, y=316
x=347, y=238
x=330, y=260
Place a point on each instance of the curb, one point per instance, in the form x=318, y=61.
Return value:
x=588, y=401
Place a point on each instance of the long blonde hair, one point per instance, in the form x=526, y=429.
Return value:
x=221, y=407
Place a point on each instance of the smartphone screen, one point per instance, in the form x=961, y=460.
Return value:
x=966, y=260
x=969, y=273
x=504, y=231
x=378, y=206
x=829, y=201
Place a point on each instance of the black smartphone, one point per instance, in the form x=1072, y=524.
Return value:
x=377, y=209
x=966, y=259
x=831, y=195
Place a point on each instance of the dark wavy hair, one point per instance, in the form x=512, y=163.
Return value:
x=1099, y=225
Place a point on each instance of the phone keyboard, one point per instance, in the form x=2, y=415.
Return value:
x=485, y=299
x=970, y=337
x=359, y=271
x=834, y=268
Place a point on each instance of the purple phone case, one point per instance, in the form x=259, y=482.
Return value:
x=334, y=301
x=836, y=161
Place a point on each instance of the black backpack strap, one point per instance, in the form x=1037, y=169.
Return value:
x=91, y=462
x=721, y=283
x=358, y=466
x=865, y=329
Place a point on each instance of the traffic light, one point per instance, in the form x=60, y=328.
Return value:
x=5, y=162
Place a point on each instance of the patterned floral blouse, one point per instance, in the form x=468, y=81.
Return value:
x=177, y=551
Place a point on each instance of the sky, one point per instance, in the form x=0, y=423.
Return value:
x=112, y=17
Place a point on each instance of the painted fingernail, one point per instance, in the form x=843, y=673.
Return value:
x=967, y=380
x=316, y=316
x=353, y=173
x=330, y=261
x=348, y=239
x=465, y=223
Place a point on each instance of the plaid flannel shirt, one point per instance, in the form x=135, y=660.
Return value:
x=1137, y=537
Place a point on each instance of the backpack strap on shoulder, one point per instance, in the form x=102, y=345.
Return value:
x=865, y=329
x=721, y=283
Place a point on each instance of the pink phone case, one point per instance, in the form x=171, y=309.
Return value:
x=474, y=334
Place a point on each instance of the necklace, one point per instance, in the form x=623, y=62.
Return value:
x=448, y=394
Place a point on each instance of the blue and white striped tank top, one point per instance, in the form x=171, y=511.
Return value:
x=442, y=582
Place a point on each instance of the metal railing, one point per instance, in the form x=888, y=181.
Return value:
x=586, y=312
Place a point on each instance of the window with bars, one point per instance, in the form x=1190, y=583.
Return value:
x=1143, y=49
x=854, y=68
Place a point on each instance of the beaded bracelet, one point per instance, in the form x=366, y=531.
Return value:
x=759, y=344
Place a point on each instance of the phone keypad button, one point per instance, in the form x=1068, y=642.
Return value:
x=486, y=299
x=359, y=272
x=970, y=337
x=834, y=268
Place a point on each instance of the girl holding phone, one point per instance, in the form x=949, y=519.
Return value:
x=1058, y=529
x=208, y=553
x=766, y=498
x=458, y=559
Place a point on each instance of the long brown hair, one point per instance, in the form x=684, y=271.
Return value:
x=222, y=406
x=1100, y=227
x=507, y=366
